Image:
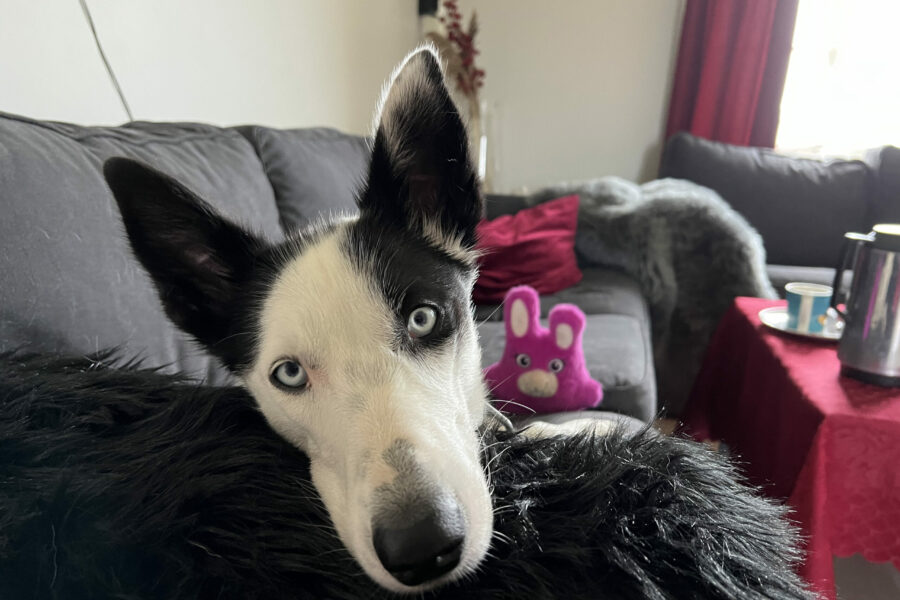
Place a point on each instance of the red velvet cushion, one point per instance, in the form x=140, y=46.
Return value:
x=535, y=246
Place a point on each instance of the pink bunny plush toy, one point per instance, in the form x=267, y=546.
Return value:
x=542, y=370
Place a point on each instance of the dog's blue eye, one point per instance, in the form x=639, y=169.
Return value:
x=556, y=365
x=523, y=360
x=290, y=374
x=421, y=321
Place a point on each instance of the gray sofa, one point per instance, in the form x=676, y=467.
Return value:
x=68, y=281
x=801, y=207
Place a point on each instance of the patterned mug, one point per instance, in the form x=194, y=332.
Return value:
x=807, y=306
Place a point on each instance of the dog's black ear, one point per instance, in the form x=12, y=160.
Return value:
x=197, y=259
x=421, y=175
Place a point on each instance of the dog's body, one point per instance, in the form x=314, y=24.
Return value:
x=357, y=343
x=117, y=483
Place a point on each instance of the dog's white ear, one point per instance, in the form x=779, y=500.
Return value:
x=196, y=259
x=421, y=176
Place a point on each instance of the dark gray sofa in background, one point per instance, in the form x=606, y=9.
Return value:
x=801, y=207
x=69, y=283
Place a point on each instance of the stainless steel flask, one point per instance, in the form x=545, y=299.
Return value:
x=870, y=345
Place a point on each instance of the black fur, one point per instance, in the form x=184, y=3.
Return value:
x=410, y=273
x=124, y=483
x=211, y=274
x=420, y=165
x=420, y=170
x=205, y=268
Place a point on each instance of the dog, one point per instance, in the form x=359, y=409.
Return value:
x=356, y=339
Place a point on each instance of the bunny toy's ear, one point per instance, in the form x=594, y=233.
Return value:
x=521, y=311
x=567, y=323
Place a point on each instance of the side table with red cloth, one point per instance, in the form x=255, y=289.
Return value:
x=827, y=444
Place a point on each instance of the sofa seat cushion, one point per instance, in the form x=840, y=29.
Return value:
x=617, y=345
x=69, y=281
x=316, y=172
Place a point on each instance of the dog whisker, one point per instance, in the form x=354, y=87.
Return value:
x=335, y=551
x=514, y=403
x=489, y=317
x=491, y=445
x=493, y=389
x=232, y=336
x=321, y=527
x=498, y=455
x=503, y=538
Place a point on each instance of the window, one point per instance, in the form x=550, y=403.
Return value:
x=842, y=94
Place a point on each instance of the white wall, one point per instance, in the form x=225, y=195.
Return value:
x=285, y=63
x=581, y=86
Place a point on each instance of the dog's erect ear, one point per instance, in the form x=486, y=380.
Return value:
x=421, y=176
x=197, y=259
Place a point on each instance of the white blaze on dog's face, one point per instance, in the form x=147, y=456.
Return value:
x=391, y=399
x=356, y=340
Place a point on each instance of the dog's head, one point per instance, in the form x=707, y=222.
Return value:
x=356, y=339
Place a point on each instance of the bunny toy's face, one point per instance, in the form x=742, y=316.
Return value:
x=542, y=355
x=542, y=370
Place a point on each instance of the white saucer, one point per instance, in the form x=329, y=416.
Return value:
x=776, y=318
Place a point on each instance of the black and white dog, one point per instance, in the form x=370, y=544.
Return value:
x=357, y=340
x=357, y=344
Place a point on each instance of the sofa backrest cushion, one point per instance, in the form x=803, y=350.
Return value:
x=315, y=172
x=886, y=162
x=801, y=207
x=68, y=281
x=498, y=205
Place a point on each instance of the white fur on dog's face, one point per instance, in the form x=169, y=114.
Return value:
x=364, y=394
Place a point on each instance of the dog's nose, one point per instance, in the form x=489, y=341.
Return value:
x=425, y=549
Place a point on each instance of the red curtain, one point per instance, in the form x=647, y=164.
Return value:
x=732, y=63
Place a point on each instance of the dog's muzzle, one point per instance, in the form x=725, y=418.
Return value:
x=424, y=549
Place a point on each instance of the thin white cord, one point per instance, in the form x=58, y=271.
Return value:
x=112, y=76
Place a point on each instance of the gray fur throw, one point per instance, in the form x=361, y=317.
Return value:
x=689, y=251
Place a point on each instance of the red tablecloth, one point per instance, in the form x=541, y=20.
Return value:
x=828, y=444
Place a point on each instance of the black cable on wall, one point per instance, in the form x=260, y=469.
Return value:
x=112, y=75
